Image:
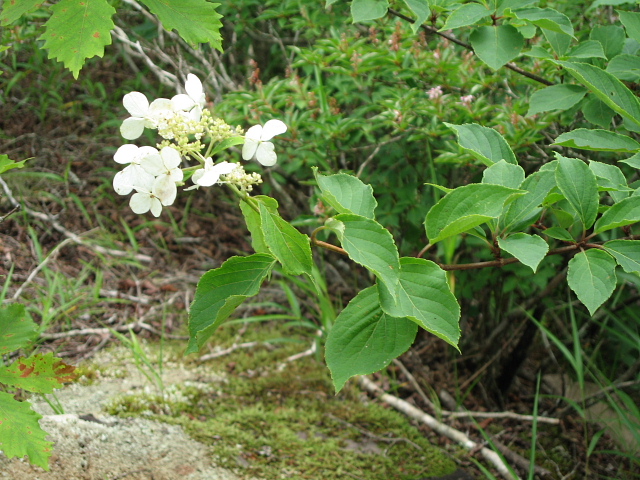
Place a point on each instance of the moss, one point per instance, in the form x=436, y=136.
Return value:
x=287, y=423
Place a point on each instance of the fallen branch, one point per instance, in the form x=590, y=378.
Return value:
x=449, y=432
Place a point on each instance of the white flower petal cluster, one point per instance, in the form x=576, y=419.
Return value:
x=210, y=174
x=159, y=113
x=257, y=144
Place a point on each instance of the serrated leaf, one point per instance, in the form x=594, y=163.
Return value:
x=607, y=88
x=610, y=36
x=6, y=164
x=529, y=249
x=626, y=253
x=195, y=20
x=221, y=290
x=424, y=297
x=559, y=41
x=371, y=245
x=464, y=15
x=421, y=10
x=347, y=194
x=484, y=143
x=612, y=179
x=77, y=30
x=598, y=141
x=286, y=243
x=37, y=373
x=555, y=97
x=254, y=224
x=558, y=233
x=364, y=339
x=597, y=112
x=466, y=207
x=20, y=432
x=496, y=45
x=13, y=10
x=546, y=18
x=578, y=184
x=503, y=173
x=632, y=161
x=631, y=22
x=16, y=329
x=592, y=276
x=625, y=67
x=525, y=209
x=625, y=212
x=587, y=49
x=365, y=10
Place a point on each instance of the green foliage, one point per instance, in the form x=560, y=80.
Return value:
x=20, y=432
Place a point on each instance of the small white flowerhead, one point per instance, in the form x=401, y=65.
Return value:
x=138, y=171
x=210, y=174
x=137, y=105
x=153, y=195
x=257, y=144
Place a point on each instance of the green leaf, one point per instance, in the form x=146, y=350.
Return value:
x=484, y=143
x=365, y=10
x=16, y=328
x=625, y=67
x=538, y=52
x=525, y=209
x=578, y=184
x=347, y=194
x=464, y=15
x=597, y=112
x=364, y=339
x=466, y=207
x=226, y=143
x=371, y=245
x=529, y=249
x=559, y=233
x=612, y=179
x=632, y=161
x=555, y=97
x=6, y=164
x=607, y=88
x=421, y=10
x=559, y=41
x=496, y=45
x=587, y=49
x=626, y=253
x=546, y=18
x=631, y=22
x=502, y=5
x=77, y=30
x=592, y=276
x=625, y=212
x=610, y=36
x=13, y=10
x=254, y=222
x=220, y=291
x=20, y=432
x=598, y=141
x=286, y=243
x=503, y=173
x=37, y=373
x=424, y=297
x=195, y=20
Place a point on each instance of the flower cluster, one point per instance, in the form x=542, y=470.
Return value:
x=189, y=133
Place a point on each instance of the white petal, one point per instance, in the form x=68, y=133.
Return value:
x=156, y=207
x=122, y=182
x=140, y=202
x=153, y=164
x=271, y=129
x=182, y=102
x=170, y=157
x=265, y=154
x=165, y=190
x=211, y=176
x=136, y=104
x=132, y=128
x=249, y=148
x=193, y=87
x=254, y=133
x=125, y=154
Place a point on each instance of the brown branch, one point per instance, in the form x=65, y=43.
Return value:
x=451, y=38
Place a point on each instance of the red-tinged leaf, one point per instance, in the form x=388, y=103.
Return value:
x=38, y=373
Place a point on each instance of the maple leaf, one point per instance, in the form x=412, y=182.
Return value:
x=195, y=20
x=20, y=432
x=77, y=30
x=38, y=373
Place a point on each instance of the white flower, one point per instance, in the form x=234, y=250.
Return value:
x=143, y=114
x=170, y=165
x=153, y=195
x=193, y=101
x=257, y=144
x=140, y=168
x=210, y=174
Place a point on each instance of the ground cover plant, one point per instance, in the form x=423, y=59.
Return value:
x=556, y=222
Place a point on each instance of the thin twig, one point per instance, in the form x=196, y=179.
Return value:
x=227, y=351
x=439, y=427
